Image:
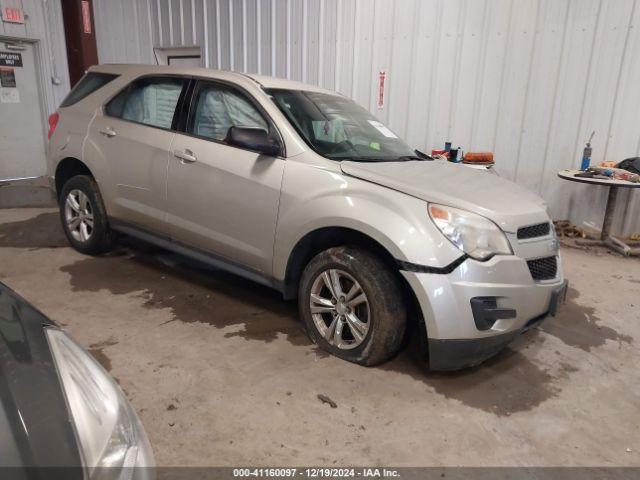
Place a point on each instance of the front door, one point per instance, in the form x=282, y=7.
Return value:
x=222, y=198
x=133, y=136
x=22, y=120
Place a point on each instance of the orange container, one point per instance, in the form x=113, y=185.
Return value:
x=478, y=157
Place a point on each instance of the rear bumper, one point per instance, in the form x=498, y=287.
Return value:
x=473, y=312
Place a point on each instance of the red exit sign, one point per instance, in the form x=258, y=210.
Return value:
x=12, y=15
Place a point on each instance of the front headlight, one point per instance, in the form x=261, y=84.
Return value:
x=111, y=437
x=475, y=235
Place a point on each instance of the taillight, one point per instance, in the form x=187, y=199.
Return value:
x=53, y=123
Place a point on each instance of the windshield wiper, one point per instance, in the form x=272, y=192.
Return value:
x=422, y=155
x=402, y=158
x=419, y=156
x=409, y=158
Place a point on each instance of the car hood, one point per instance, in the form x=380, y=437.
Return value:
x=35, y=425
x=507, y=204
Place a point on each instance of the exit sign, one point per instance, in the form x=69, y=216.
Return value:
x=12, y=15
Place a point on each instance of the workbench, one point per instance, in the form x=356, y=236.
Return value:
x=614, y=185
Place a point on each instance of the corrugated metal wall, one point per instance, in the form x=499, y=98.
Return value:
x=526, y=79
x=43, y=22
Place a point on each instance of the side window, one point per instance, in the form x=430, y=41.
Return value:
x=217, y=108
x=88, y=84
x=150, y=101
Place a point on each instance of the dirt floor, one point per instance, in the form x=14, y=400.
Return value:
x=222, y=374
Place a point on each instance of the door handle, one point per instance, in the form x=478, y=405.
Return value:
x=108, y=132
x=185, y=156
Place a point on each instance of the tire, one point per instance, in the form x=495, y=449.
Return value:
x=382, y=317
x=92, y=240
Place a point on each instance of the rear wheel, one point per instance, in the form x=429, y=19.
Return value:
x=83, y=216
x=351, y=305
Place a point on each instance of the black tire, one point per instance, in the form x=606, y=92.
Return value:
x=101, y=238
x=387, y=313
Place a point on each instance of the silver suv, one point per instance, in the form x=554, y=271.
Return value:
x=301, y=189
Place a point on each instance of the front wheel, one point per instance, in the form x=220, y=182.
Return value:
x=352, y=306
x=83, y=216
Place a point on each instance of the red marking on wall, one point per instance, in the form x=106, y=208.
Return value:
x=86, y=17
x=381, y=78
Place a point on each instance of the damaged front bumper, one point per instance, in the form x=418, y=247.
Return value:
x=473, y=312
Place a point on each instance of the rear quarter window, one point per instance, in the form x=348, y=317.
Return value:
x=148, y=101
x=88, y=84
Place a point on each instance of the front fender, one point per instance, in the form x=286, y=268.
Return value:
x=314, y=198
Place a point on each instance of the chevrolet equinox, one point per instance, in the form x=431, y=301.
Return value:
x=301, y=189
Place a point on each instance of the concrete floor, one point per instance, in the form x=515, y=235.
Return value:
x=221, y=373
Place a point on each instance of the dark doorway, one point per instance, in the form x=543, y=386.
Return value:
x=80, y=35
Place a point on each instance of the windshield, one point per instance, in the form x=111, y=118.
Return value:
x=339, y=128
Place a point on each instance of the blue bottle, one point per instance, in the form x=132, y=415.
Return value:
x=586, y=153
x=586, y=157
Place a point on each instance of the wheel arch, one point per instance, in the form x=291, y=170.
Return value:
x=322, y=239
x=67, y=168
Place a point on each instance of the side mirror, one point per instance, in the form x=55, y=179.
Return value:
x=255, y=139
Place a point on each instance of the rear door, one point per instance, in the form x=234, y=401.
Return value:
x=220, y=197
x=132, y=135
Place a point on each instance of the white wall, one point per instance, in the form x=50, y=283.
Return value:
x=526, y=79
x=43, y=22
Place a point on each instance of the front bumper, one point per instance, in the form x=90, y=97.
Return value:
x=456, y=337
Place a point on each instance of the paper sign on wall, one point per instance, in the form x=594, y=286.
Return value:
x=9, y=95
x=7, y=78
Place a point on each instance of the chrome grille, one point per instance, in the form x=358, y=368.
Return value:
x=533, y=231
x=543, y=268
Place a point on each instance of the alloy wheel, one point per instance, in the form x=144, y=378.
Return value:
x=78, y=215
x=340, y=309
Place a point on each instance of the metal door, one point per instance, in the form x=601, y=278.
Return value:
x=22, y=120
